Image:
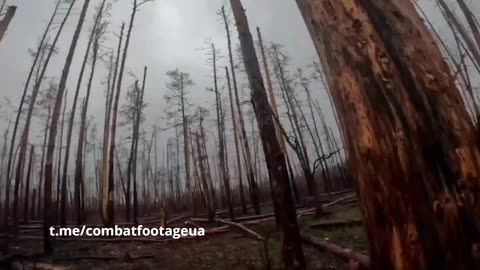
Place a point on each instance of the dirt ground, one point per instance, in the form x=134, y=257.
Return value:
x=229, y=250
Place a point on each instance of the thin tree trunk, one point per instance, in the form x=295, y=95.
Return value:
x=78, y=179
x=237, y=150
x=220, y=128
x=471, y=21
x=20, y=107
x=450, y=16
x=252, y=184
x=59, y=159
x=71, y=122
x=108, y=213
x=273, y=104
x=48, y=220
x=42, y=162
x=291, y=247
x=106, y=131
x=27, y=184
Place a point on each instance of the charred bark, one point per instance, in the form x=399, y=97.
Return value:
x=408, y=135
x=292, y=249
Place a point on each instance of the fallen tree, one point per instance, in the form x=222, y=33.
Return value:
x=339, y=251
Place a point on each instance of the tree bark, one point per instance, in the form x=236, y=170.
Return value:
x=408, y=134
x=273, y=104
x=252, y=184
x=291, y=247
x=48, y=220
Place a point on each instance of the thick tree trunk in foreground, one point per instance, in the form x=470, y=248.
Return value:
x=292, y=249
x=48, y=213
x=408, y=135
x=6, y=21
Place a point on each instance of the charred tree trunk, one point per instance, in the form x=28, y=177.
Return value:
x=71, y=122
x=27, y=184
x=252, y=184
x=237, y=149
x=5, y=22
x=292, y=248
x=78, y=178
x=42, y=163
x=108, y=213
x=471, y=21
x=48, y=220
x=20, y=109
x=408, y=135
x=273, y=104
x=106, y=134
x=221, y=142
x=59, y=160
x=451, y=17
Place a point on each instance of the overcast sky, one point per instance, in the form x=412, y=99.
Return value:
x=167, y=35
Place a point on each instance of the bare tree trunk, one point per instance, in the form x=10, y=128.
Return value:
x=450, y=16
x=211, y=188
x=237, y=150
x=78, y=179
x=27, y=184
x=412, y=147
x=71, y=122
x=106, y=128
x=6, y=20
x=253, y=187
x=42, y=163
x=471, y=21
x=221, y=139
x=108, y=213
x=20, y=110
x=291, y=249
x=2, y=6
x=138, y=116
x=59, y=159
x=48, y=220
x=273, y=104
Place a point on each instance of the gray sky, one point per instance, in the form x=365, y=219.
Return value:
x=167, y=35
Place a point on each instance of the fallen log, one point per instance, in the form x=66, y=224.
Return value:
x=250, y=232
x=173, y=220
x=344, y=253
x=336, y=223
x=239, y=219
x=340, y=200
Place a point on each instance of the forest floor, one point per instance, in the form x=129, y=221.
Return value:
x=228, y=250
